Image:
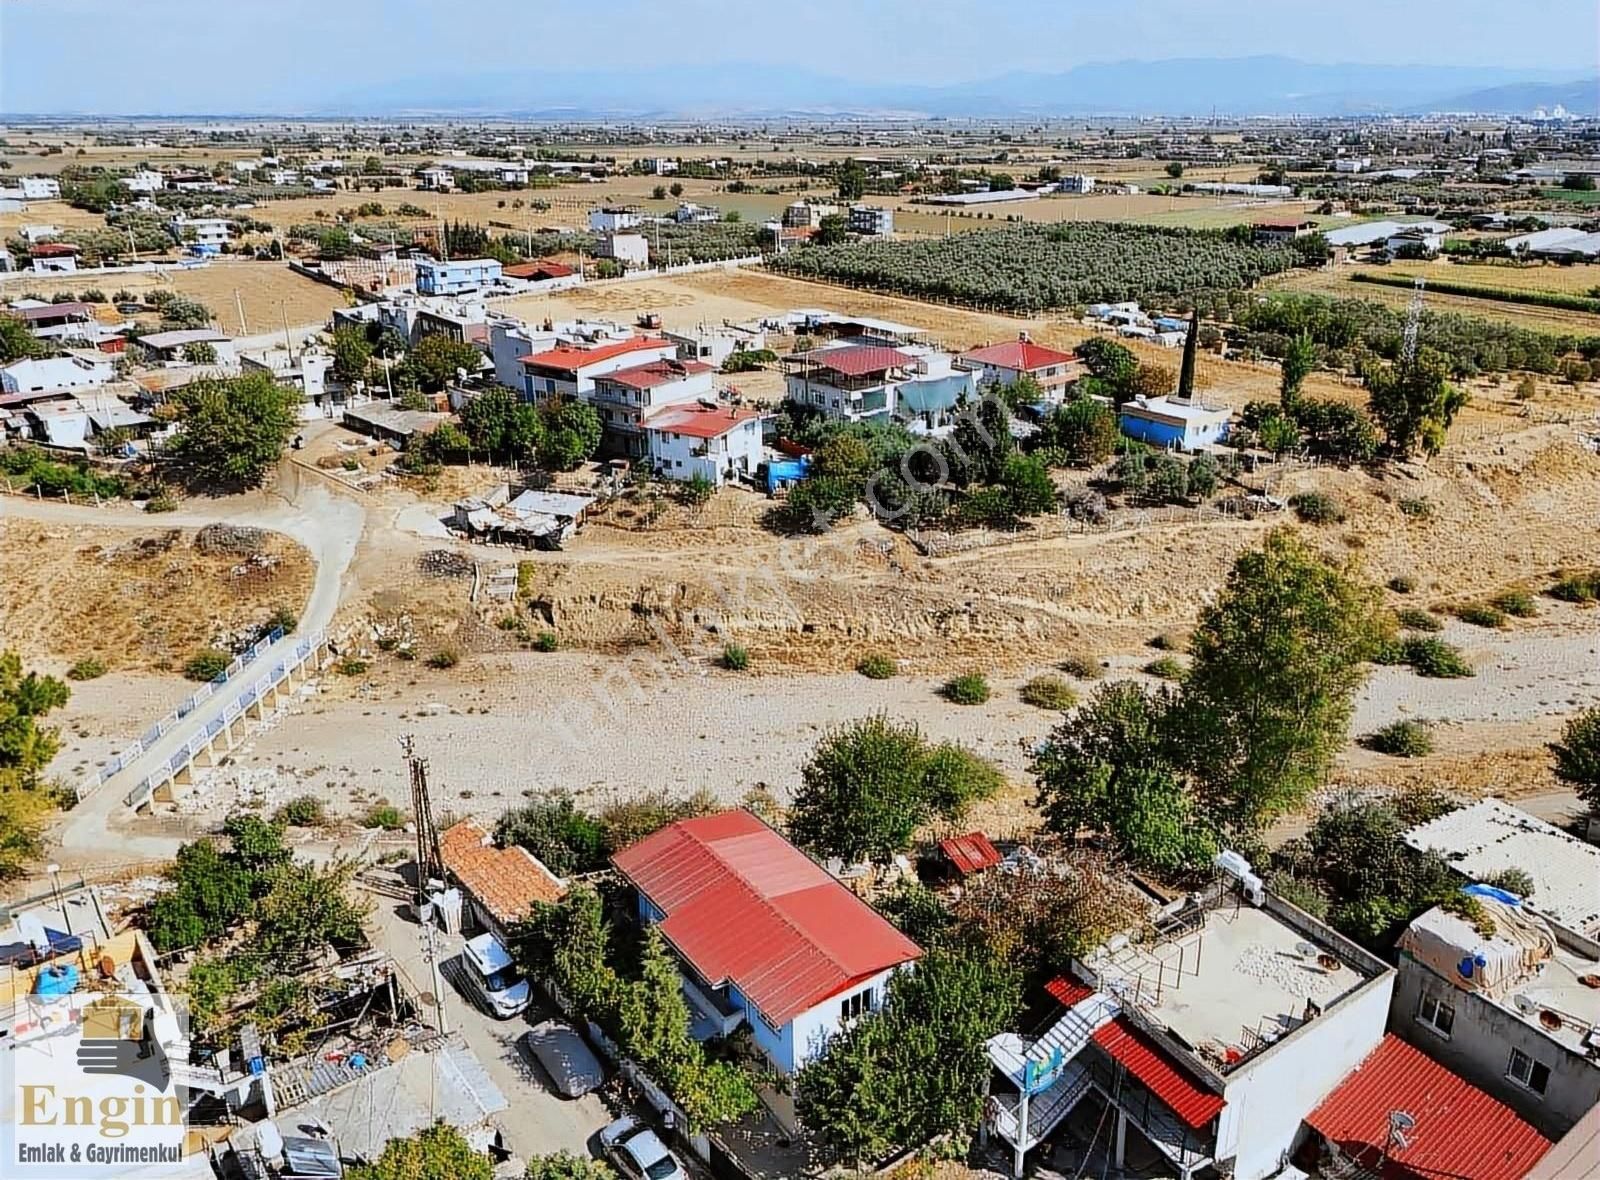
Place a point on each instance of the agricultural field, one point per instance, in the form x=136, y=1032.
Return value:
x=1576, y=279
x=1031, y=268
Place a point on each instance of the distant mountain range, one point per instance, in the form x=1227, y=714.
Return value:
x=1179, y=87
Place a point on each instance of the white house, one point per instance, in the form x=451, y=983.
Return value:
x=40, y=188
x=283, y=176
x=688, y=211
x=569, y=370
x=852, y=382
x=611, y=218
x=1077, y=183
x=1352, y=163
x=200, y=231
x=308, y=371
x=144, y=181
x=765, y=937
x=437, y=179
x=628, y=398
x=1010, y=360
x=1176, y=423
x=720, y=444
x=630, y=249
x=456, y=276
x=172, y=347
x=716, y=345
x=1410, y=240
x=874, y=220
x=60, y=372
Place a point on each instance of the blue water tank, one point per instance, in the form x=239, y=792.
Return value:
x=59, y=979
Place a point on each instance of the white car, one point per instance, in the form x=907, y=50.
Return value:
x=638, y=1153
x=488, y=968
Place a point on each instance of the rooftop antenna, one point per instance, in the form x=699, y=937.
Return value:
x=430, y=860
x=1408, y=343
x=1399, y=1123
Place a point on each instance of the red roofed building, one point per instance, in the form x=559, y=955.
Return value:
x=568, y=370
x=1451, y=1130
x=721, y=444
x=766, y=936
x=1282, y=229
x=539, y=270
x=628, y=397
x=1006, y=362
x=501, y=884
x=852, y=382
x=970, y=854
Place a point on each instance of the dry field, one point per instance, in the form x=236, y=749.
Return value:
x=1577, y=279
x=136, y=600
x=272, y=294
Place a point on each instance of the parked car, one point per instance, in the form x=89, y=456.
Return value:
x=489, y=971
x=638, y=1152
x=558, y=1047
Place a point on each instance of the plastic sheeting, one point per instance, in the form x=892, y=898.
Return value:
x=1452, y=947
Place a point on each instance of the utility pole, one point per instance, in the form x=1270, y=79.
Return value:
x=434, y=981
x=430, y=860
x=239, y=303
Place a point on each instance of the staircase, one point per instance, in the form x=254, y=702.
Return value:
x=1047, y=1107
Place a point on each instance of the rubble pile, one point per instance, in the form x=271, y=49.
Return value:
x=445, y=563
x=236, y=539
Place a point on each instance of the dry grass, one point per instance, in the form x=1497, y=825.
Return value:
x=1577, y=279
x=79, y=591
x=1339, y=284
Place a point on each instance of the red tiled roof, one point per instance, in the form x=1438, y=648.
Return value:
x=505, y=881
x=566, y=357
x=970, y=853
x=698, y=422
x=52, y=250
x=30, y=314
x=745, y=906
x=1145, y=1059
x=536, y=270
x=858, y=360
x=1460, y=1131
x=654, y=373
x=1022, y=355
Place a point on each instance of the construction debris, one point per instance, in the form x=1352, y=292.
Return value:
x=230, y=538
x=445, y=563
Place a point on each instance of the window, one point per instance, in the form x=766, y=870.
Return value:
x=1437, y=1015
x=1528, y=1073
x=851, y=1007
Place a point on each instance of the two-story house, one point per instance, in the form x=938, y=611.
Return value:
x=1009, y=361
x=569, y=370
x=627, y=399
x=720, y=443
x=764, y=935
x=852, y=382
x=455, y=277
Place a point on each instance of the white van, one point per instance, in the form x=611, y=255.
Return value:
x=488, y=968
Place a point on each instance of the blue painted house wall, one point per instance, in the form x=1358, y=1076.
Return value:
x=1157, y=434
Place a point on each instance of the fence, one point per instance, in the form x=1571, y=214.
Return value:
x=230, y=712
x=135, y=751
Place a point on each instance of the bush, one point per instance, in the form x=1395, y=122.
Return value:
x=546, y=641
x=1518, y=881
x=1402, y=583
x=351, y=666
x=445, y=657
x=1316, y=508
x=303, y=811
x=1401, y=739
x=282, y=618
x=1581, y=586
x=1517, y=602
x=969, y=688
x=1049, y=692
x=1415, y=619
x=1435, y=658
x=1308, y=895
x=552, y=828
x=1166, y=667
x=1416, y=506
x=1167, y=641
x=735, y=657
x=1480, y=614
x=161, y=502
x=877, y=666
x=1081, y=666
x=385, y=816
x=207, y=664
x=88, y=668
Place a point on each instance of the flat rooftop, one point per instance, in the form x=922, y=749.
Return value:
x=1233, y=978
x=1559, y=988
x=1491, y=836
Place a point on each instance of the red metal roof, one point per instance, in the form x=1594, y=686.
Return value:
x=1145, y=1060
x=1460, y=1131
x=970, y=853
x=567, y=358
x=697, y=422
x=654, y=373
x=1022, y=355
x=51, y=311
x=543, y=269
x=858, y=360
x=52, y=250
x=745, y=906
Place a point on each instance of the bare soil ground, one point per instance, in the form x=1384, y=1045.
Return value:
x=135, y=600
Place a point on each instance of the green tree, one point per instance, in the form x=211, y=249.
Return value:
x=1110, y=769
x=1174, y=169
x=200, y=353
x=352, y=353
x=851, y=178
x=26, y=748
x=1299, y=360
x=1083, y=429
x=914, y=1070
x=676, y=190
x=565, y=839
x=1277, y=660
x=564, y=1165
x=869, y=784
x=572, y=434
x=232, y=431
x=438, y=360
x=1277, y=433
x=17, y=343
x=1113, y=363
x=1414, y=404
x=1578, y=755
x=832, y=229
x=1027, y=482
x=487, y=420
x=439, y=1152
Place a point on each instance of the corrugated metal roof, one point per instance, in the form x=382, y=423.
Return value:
x=745, y=906
x=970, y=853
x=858, y=360
x=1460, y=1131
x=1145, y=1059
x=1148, y=1062
x=1022, y=355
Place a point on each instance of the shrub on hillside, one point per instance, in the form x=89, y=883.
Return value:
x=1581, y=586
x=303, y=811
x=1049, y=692
x=1416, y=619
x=88, y=668
x=877, y=666
x=1401, y=739
x=969, y=688
x=1435, y=658
x=207, y=664
x=1402, y=583
x=1316, y=508
x=1082, y=666
x=1515, y=602
x=735, y=657
x=1481, y=614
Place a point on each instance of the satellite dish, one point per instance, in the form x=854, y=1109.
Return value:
x=1525, y=1004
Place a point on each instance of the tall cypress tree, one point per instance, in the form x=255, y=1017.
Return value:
x=1186, y=374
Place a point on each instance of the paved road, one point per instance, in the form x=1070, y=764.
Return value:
x=328, y=525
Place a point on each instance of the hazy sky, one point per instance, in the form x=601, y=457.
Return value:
x=209, y=55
